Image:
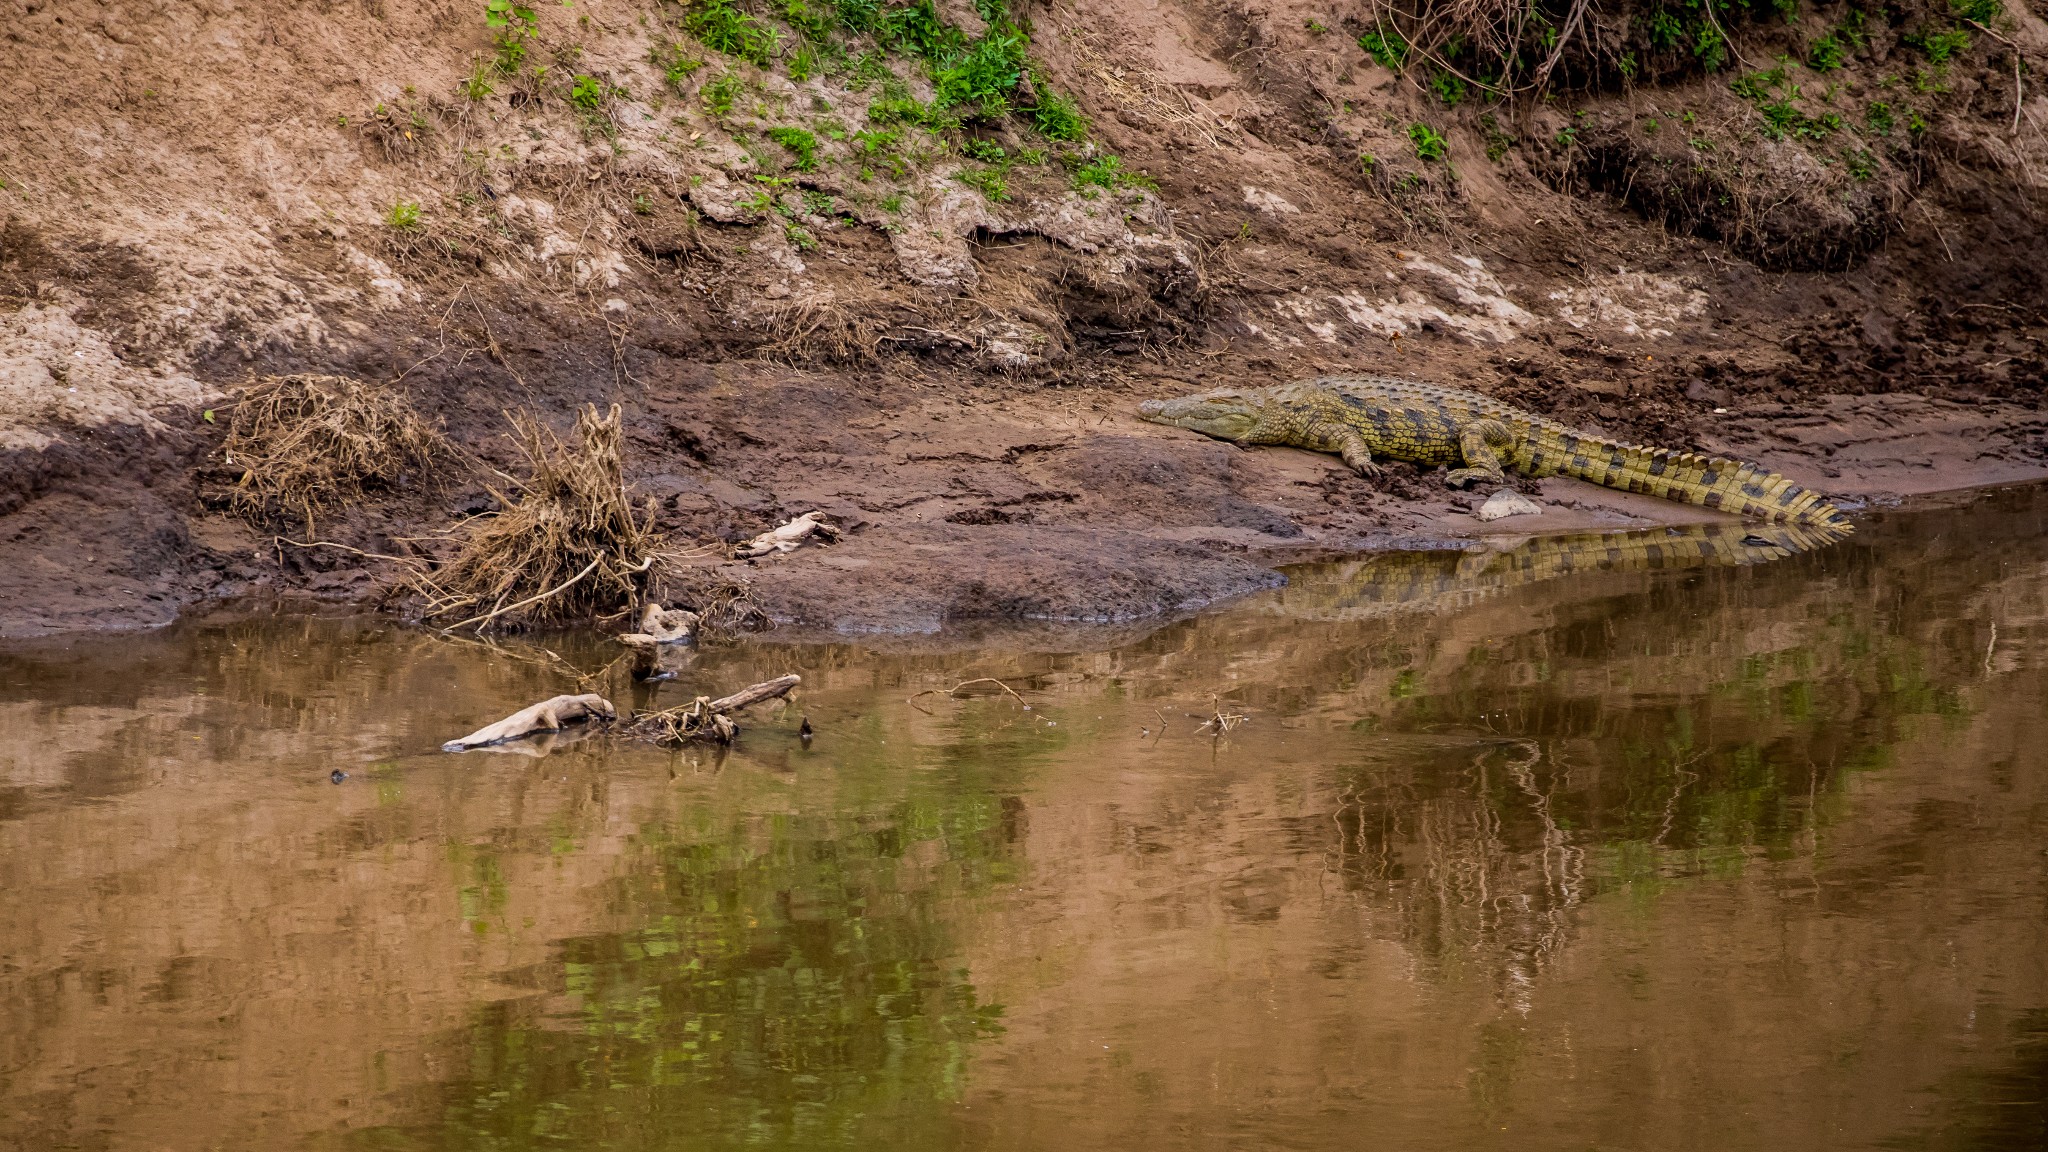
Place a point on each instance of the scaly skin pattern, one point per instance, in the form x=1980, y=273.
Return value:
x=1363, y=417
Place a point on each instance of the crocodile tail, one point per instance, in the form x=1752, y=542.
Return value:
x=1709, y=481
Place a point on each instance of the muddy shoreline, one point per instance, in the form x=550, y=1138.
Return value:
x=967, y=502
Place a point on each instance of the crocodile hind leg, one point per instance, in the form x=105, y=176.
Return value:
x=1481, y=443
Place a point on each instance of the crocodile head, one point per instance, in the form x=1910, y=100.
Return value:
x=1226, y=413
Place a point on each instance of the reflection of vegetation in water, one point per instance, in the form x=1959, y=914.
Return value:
x=2005, y=1107
x=789, y=985
x=1620, y=748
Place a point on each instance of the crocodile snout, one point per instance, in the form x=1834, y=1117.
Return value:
x=1151, y=407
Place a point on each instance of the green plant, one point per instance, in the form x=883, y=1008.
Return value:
x=516, y=24
x=800, y=142
x=642, y=206
x=803, y=63
x=1942, y=45
x=675, y=63
x=1498, y=139
x=1031, y=157
x=1109, y=172
x=1878, y=118
x=1710, y=47
x=1429, y=143
x=1978, y=11
x=814, y=21
x=587, y=93
x=985, y=150
x=991, y=181
x=1827, y=54
x=1385, y=45
x=1757, y=85
x=722, y=93
x=724, y=28
x=916, y=29
x=1789, y=9
x=874, y=141
x=1447, y=88
x=818, y=203
x=1915, y=123
x=986, y=75
x=800, y=238
x=1861, y=164
x=893, y=202
x=871, y=68
x=1057, y=117
x=1649, y=125
x=1700, y=144
x=477, y=85
x=404, y=216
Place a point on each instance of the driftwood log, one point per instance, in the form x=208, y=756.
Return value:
x=546, y=716
x=708, y=719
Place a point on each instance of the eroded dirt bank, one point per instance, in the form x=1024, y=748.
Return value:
x=829, y=282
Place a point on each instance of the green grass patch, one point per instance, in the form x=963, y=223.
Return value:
x=724, y=28
x=721, y=94
x=676, y=63
x=992, y=183
x=1941, y=46
x=800, y=143
x=1057, y=117
x=1109, y=172
x=986, y=75
x=404, y=216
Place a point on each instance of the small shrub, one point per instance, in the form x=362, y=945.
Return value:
x=1982, y=11
x=801, y=143
x=892, y=203
x=984, y=150
x=721, y=94
x=1861, y=164
x=1710, y=47
x=872, y=68
x=403, y=216
x=724, y=28
x=1429, y=143
x=1386, y=46
x=1757, y=85
x=800, y=238
x=1878, y=118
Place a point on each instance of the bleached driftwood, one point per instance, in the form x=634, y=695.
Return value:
x=788, y=537
x=546, y=716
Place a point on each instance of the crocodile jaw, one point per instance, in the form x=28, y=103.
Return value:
x=1226, y=416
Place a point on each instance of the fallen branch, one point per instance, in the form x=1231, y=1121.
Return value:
x=1220, y=722
x=546, y=716
x=705, y=718
x=954, y=691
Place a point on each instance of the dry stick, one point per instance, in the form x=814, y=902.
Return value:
x=954, y=691
x=1571, y=25
x=346, y=548
x=496, y=612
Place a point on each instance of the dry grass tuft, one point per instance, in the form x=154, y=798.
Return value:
x=569, y=547
x=304, y=442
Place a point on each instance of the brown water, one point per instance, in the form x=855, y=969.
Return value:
x=1575, y=847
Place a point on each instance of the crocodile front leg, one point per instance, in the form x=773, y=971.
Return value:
x=1481, y=443
x=1356, y=452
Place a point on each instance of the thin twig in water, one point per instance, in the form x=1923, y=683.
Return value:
x=954, y=691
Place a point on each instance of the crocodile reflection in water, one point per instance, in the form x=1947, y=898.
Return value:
x=1395, y=582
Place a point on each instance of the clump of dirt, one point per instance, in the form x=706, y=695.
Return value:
x=304, y=442
x=569, y=546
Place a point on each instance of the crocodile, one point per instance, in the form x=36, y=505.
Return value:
x=1482, y=439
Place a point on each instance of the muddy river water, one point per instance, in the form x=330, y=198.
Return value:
x=1676, y=841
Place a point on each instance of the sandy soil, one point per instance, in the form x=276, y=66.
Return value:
x=195, y=196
